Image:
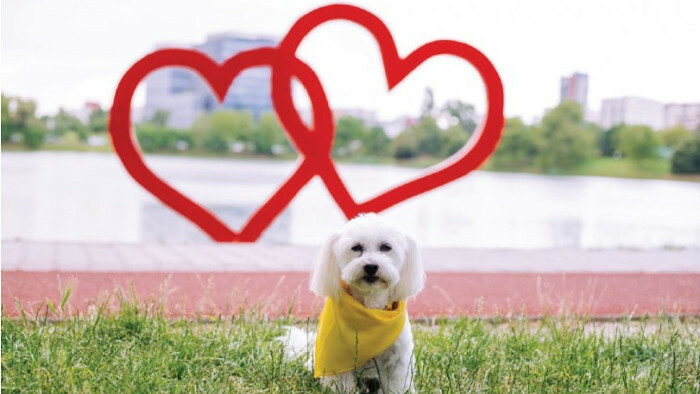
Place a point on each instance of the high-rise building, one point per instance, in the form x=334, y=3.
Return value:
x=632, y=111
x=686, y=114
x=185, y=95
x=575, y=88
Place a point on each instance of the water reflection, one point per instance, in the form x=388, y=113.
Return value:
x=89, y=197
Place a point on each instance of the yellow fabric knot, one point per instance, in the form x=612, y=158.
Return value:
x=349, y=335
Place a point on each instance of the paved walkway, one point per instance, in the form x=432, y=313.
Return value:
x=220, y=278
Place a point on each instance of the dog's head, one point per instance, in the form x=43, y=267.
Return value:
x=372, y=258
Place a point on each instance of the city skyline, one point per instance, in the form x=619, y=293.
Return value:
x=628, y=50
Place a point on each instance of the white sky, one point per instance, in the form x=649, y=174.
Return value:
x=62, y=53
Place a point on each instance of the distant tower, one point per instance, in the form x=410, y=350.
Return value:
x=575, y=88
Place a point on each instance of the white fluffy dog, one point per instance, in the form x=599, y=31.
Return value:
x=380, y=267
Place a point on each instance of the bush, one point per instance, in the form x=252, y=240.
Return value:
x=637, y=143
x=218, y=130
x=607, y=142
x=675, y=137
x=34, y=135
x=518, y=147
x=268, y=133
x=454, y=139
x=565, y=140
x=686, y=160
x=406, y=145
x=155, y=138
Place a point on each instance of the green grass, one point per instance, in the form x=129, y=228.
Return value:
x=139, y=349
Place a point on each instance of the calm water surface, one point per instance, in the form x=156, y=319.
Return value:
x=90, y=197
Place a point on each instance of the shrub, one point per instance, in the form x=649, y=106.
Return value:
x=686, y=160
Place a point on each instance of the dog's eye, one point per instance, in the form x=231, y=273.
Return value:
x=357, y=248
x=385, y=247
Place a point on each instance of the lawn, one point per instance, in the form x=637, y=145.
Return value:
x=138, y=349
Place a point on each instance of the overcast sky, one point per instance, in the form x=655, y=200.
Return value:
x=62, y=53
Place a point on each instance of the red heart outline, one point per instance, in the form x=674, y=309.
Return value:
x=467, y=159
x=311, y=144
x=314, y=146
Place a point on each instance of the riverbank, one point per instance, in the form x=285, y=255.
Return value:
x=601, y=166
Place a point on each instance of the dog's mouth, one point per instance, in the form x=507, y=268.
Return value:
x=370, y=278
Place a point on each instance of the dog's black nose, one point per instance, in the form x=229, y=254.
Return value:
x=371, y=269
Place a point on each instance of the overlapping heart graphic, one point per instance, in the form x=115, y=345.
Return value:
x=313, y=143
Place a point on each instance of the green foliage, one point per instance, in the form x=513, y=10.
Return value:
x=217, y=131
x=377, y=143
x=422, y=138
x=686, y=159
x=350, y=134
x=608, y=140
x=98, y=121
x=65, y=123
x=154, y=138
x=453, y=139
x=430, y=136
x=406, y=145
x=675, y=137
x=637, y=143
x=354, y=138
x=160, y=117
x=19, y=121
x=566, y=140
x=518, y=148
x=140, y=348
x=268, y=133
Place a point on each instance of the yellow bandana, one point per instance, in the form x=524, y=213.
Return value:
x=349, y=335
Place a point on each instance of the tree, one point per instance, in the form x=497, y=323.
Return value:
x=8, y=122
x=453, y=139
x=686, y=159
x=219, y=130
x=607, y=142
x=377, y=142
x=65, y=123
x=350, y=135
x=674, y=137
x=98, y=121
x=268, y=133
x=406, y=145
x=637, y=143
x=154, y=138
x=566, y=140
x=19, y=118
x=430, y=136
x=422, y=138
x=462, y=114
x=518, y=147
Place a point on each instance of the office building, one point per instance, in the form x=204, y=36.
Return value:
x=185, y=95
x=575, y=88
x=686, y=114
x=632, y=111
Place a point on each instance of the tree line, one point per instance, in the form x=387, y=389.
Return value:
x=564, y=141
x=561, y=142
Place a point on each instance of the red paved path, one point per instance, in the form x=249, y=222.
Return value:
x=446, y=294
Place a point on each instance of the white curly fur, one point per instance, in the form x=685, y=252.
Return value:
x=399, y=275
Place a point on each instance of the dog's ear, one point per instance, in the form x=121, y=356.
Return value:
x=412, y=277
x=325, y=280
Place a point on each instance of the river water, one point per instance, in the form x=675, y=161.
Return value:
x=68, y=196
